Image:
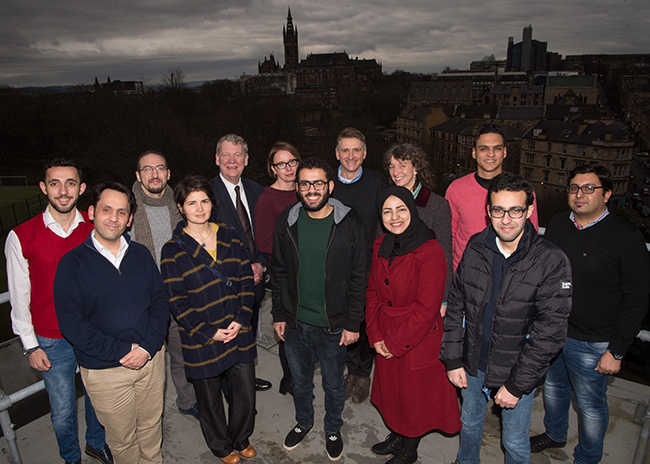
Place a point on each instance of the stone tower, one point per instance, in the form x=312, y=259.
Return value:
x=290, y=36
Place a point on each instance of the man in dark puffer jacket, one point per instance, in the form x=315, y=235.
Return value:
x=506, y=320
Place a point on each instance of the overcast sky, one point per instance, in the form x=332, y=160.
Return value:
x=71, y=41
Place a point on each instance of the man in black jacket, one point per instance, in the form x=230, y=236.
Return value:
x=236, y=197
x=610, y=298
x=318, y=276
x=506, y=320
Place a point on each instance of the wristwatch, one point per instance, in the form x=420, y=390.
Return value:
x=617, y=356
x=30, y=350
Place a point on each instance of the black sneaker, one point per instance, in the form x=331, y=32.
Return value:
x=541, y=442
x=294, y=437
x=334, y=446
x=388, y=446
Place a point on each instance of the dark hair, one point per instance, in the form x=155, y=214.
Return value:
x=488, y=129
x=110, y=185
x=512, y=183
x=62, y=163
x=149, y=152
x=235, y=140
x=351, y=133
x=194, y=183
x=417, y=157
x=314, y=162
x=604, y=176
x=280, y=146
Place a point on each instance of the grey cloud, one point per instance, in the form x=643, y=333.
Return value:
x=62, y=42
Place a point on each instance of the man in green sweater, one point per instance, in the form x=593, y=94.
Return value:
x=609, y=264
x=318, y=277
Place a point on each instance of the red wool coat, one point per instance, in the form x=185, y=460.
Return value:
x=411, y=390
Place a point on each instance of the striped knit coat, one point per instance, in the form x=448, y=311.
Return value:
x=202, y=303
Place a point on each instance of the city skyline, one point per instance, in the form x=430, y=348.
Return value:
x=57, y=43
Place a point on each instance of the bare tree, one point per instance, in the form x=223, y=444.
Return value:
x=174, y=79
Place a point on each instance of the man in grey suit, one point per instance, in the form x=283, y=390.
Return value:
x=236, y=198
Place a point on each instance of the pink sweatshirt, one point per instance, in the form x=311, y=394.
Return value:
x=468, y=202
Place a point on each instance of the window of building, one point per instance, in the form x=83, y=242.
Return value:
x=562, y=163
x=564, y=149
x=579, y=163
x=546, y=175
x=581, y=151
x=594, y=154
x=530, y=158
x=549, y=145
x=528, y=173
x=548, y=161
x=531, y=144
x=560, y=179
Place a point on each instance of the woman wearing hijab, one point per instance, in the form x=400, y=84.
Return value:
x=405, y=291
x=209, y=282
x=408, y=167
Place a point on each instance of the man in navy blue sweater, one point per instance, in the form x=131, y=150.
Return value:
x=112, y=307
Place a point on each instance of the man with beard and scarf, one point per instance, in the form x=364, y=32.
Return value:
x=154, y=221
x=33, y=251
x=318, y=278
x=507, y=318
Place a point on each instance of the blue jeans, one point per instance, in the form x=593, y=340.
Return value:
x=305, y=345
x=574, y=370
x=515, y=422
x=60, y=385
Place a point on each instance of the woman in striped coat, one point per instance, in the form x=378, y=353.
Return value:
x=210, y=286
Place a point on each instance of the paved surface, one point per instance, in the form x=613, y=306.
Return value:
x=183, y=441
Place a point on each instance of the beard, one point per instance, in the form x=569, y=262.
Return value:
x=64, y=209
x=325, y=195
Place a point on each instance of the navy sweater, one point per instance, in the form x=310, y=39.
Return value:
x=102, y=310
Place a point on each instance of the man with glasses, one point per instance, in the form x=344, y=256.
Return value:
x=319, y=282
x=506, y=319
x=609, y=261
x=154, y=222
x=236, y=199
x=358, y=187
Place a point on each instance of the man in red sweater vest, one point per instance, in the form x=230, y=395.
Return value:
x=33, y=250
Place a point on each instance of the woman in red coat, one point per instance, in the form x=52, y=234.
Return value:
x=405, y=291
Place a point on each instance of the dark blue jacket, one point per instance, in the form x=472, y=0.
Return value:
x=103, y=310
x=227, y=213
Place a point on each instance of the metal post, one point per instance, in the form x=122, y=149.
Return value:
x=8, y=430
x=639, y=454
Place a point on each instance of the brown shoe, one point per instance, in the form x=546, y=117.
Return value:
x=350, y=382
x=232, y=458
x=248, y=453
x=361, y=389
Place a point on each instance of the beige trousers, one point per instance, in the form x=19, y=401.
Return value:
x=129, y=404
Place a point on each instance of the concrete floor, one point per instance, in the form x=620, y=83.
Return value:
x=183, y=441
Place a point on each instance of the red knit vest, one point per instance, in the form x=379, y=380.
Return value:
x=43, y=250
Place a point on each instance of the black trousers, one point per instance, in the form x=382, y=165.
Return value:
x=223, y=437
x=360, y=356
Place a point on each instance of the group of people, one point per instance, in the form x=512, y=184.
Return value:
x=443, y=294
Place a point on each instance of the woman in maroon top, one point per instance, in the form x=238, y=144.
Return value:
x=281, y=164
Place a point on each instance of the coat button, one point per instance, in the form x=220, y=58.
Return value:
x=386, y=281
x=435, y=327
x=408, y=346
x=390, y=303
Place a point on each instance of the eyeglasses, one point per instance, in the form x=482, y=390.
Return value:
x=305, y=185
x=586, y=189
x=514, y=213
x=149, y=169
x=283, y=164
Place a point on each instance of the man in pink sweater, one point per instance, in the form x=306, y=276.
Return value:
x=467, y=195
